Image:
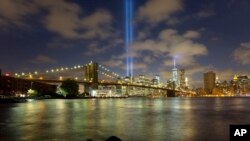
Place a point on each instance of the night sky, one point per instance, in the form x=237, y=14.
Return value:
x=201, y=34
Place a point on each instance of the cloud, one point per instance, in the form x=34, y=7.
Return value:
x=43, y=59
x=242, y=53
x=191, y=34
x=204, y=12
x=139, y=66
x=171, y=44
x=207, y=12
x=117, y=61
x=97, y=47
x=62, y=43
x=94, y=49
x=114, y=63
x=65, y=20
x=97, y=24
x=148, y=59
x=14, y=11
x=166, y=75
x=61, y=17
x=156, y=11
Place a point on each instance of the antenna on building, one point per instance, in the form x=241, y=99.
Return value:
x=174, y=62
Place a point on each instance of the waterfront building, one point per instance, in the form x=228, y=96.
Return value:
x=209, y=81
x=243, y=79
x=141, y=79
x=12, y=86
x=243, y=84
x=155, y=82
x=127, y=79
x=235, y=79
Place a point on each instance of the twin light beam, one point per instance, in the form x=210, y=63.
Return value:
x=129, y=35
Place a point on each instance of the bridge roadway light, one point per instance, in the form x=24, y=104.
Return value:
x=36, y=72
x=47, y=71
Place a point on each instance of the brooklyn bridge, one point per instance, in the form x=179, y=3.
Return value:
x=90, y=77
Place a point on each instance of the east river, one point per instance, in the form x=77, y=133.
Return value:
x=131, y=119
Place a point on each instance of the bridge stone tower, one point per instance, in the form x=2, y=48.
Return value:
x=91, y=74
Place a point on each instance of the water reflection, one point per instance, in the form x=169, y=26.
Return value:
x=170, y=119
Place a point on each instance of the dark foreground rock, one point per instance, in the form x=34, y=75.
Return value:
x=113, y=138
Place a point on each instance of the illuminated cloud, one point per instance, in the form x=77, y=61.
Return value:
x=242, y=54
x=156, y=11
x=97, y=24
x=171, y=44
x=62, y=17
x=13, y=12
x=65, y=20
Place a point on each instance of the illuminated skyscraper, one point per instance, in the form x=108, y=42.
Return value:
x=182, y=78
x=157, y=77
x=209, y=81
x=175, y=75
x=186, y=82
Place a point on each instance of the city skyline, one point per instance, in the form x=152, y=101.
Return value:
x=202, y=36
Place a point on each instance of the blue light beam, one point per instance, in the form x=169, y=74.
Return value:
x=128, y=35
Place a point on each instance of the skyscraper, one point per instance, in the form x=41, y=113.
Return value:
x=209, y=81
x=182, y=78
x=157, y=77
x=175, y=75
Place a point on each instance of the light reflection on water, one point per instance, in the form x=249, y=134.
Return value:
x=171, y=119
